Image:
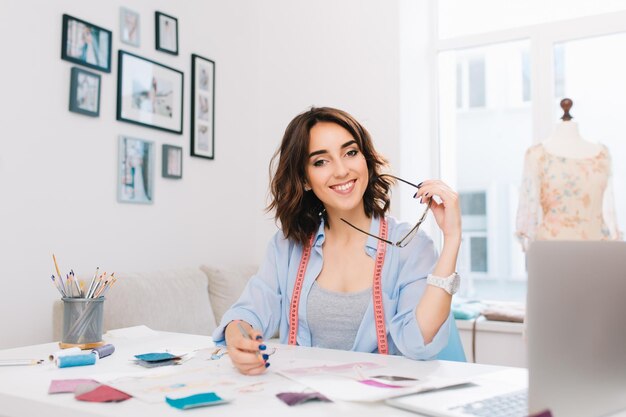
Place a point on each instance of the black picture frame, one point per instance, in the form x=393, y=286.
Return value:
x=149, y=93
x=166, y=37
x=86, y=44
x=202, y=97
x=130, y=27
x=135, y=179
x=85, y=92
x=172, y=162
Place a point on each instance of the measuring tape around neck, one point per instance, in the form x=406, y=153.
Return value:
x=379, y=313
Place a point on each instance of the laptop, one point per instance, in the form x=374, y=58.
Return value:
x=576, y=331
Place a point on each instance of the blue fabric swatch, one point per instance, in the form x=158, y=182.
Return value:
x=197, y=400
x=156, y=357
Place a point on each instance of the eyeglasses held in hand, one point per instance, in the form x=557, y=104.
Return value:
x=411, y=234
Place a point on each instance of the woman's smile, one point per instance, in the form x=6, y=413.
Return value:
x=344, y=188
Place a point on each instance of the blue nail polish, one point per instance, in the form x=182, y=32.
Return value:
x=415, y=195
x=262, y=347
x=266, y=357
x=259, y=337
x=267, y=364
x=420, y=185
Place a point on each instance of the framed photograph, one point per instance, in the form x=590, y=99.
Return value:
x=85, y=92
x=129, y=27
x=166, y=33
x=172, y=162
x=149, y=94
x=86, y=44
x=136, y=171
x=202, y=107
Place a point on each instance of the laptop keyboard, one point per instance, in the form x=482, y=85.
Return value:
x=514, y=404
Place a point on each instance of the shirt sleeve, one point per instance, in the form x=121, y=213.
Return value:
x=529, y=207
x=420, y=259
x=260, y=303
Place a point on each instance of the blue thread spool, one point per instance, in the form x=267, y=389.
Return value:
x=76, y=360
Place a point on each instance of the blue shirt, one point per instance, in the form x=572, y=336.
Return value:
x=266, y=300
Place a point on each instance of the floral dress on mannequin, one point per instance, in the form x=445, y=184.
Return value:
x=566, y=198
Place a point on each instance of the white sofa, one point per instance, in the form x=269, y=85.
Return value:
x=188, y=300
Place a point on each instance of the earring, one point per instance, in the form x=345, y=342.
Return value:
x=307, y=188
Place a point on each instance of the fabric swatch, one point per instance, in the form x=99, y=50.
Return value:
x=295, y=398
x=545, y=413
x=58, y=386
x=156, y=357
x=197, y=400
x=378, y=384
x=157, y=364
x=102, y=394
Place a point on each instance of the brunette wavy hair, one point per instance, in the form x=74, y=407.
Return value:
x=300, y=212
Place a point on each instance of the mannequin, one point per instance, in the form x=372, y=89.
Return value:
x=566, y=192
x=566, y=141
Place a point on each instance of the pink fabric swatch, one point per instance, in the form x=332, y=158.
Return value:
x=545, y=413
x=295, y=398
x=378, y=384
x=103, y=394
x=58, y=386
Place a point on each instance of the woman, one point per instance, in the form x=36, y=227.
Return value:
x=325, y=283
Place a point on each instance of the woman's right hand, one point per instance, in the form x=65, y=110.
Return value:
x=247, y=355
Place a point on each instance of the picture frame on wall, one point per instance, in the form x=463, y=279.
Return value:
x=85, y=92
x=130, y=29
x=166, y=33
x=172, y=162
x=135, y=171
x=86, y=44
x=149, y=94
x=202, y=107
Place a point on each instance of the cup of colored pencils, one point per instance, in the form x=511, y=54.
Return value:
x=83, y=307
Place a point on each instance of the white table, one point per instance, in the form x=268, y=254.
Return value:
x=24, y=389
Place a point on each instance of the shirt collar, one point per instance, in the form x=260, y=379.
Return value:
x=372, y=243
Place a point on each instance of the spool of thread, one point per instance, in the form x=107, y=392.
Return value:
x=103, y=351
x=76, y=360
x=65, y=352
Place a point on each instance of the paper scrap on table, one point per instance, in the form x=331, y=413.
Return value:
x=339, y=368
x=100, y=394
x=349, y=382
x=58, y=386
x=195, y=401
x=295, y=398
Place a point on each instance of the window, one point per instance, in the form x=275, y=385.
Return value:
x=498, y=94
x=485, y=149
x=470, y=82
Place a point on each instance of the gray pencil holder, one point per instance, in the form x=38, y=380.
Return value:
x=82, y=322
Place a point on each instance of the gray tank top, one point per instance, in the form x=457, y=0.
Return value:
x=334, y=317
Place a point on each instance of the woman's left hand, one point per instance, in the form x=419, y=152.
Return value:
x=448, y=212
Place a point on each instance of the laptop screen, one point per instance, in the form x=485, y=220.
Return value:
x=576, y=327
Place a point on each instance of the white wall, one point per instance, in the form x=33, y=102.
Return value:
x=58, y=169
x=341, y=54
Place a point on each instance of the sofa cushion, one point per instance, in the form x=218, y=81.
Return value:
x=226, y=284
x=175, y=300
